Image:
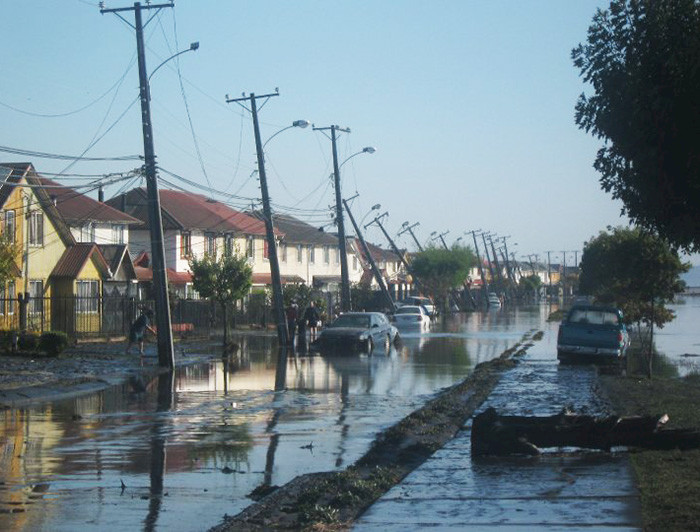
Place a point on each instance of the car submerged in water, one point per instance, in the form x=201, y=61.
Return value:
x=411, y=317
x=358, y=332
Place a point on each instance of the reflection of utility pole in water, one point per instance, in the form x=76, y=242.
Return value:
x=272, y=448
x=163, y=404
x=345, y=427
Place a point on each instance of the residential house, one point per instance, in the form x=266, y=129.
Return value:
x=390, y=266
x=192, y=226
x=311, y=255
x=52, y=269
x=92, y=221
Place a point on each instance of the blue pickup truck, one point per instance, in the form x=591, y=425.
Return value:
x=592, y=333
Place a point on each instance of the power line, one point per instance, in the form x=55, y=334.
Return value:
x=45, y=155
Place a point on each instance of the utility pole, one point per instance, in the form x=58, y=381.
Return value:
x=166, y=353
x=278, y=299
x=345, y=303
x=409, y=228
x=368, y=254
x=488, y=258
x=549, y=273
x=484, y=282
x=393, y=245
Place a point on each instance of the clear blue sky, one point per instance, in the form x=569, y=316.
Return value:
x=469, y=104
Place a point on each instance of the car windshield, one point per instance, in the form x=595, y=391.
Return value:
x=594, y=317
x=352, y=320
x=408, y=310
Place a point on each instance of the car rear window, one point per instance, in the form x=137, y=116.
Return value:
x=352, y=321
x=594, y=317
x=408, y=310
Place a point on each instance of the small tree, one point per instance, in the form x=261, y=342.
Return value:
x=8, y=259
x=529, y=286
x=440, y=270
x=225, y=280
x=639, y=272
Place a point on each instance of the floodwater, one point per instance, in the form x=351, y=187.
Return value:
x=181, y=451
x=679, y=340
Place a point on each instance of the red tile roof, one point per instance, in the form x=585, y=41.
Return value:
x=78, y=209
x=146, y=274
x=74, y=259
x=187, y=210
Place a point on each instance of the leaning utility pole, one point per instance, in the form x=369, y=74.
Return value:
x=488, y=257
x=409, y=228
x=277, y=296
x=484, y=282
x=373, y=265
x=166, y=353
x=549, y=273
x=345, y=303
x=394, y=248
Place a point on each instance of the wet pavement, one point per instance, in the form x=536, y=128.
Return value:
x=179, y=451
x=584, y=491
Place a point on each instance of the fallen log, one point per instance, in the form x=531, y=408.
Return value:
x=493, y=434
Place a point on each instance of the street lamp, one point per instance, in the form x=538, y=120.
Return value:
x=297, y=123
x=368, y=149
x=374, y=208
x=193, y=47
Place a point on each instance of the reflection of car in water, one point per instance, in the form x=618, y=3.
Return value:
x=411, y=317
x=592, y=333
x=358, y=331
x=494, y=300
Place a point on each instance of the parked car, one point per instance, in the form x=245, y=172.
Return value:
x=358, y=331
x=592, y=333
x=421, y=301
x=411, y=316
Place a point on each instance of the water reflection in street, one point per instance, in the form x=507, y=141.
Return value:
x=179, y=451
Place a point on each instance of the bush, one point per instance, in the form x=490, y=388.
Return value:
x=28, y=341
x=53, y=343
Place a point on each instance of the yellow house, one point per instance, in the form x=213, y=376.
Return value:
x=52, y=269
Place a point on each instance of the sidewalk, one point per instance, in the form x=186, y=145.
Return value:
x=584, y=491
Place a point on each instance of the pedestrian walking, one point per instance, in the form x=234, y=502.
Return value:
x=292, y=318
x=312, y=317
x=138, y=330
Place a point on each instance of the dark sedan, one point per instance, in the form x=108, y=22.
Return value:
x=358, y=331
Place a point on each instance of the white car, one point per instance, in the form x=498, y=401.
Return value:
x=424, y=302
x=411, y=316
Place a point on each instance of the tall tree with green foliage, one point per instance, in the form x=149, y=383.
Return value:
x=225, y=279
x=441, y=270
x=642, y=58
x=637, y=271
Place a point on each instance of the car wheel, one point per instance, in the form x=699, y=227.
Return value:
x=370, y=345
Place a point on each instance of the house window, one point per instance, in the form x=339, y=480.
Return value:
x=312, y=254
x=337, y=256
x=36, y=296
x=36, y=228
x=250, y=248
x=88, y=293
x=284, y=252
x=117, y=234
x=327, y=254
x=87, y=233
x=185, y=245
x=9, y=228
x=266, y=250
x=300, y=254
x=11, y=294
x=210, y=244
x=229, y=244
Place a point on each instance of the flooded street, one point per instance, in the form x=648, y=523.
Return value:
x=180, y=451
x=188, y=448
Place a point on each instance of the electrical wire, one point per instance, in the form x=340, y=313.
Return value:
x=45, y=155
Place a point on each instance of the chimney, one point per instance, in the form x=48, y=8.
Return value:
x=101, y=195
